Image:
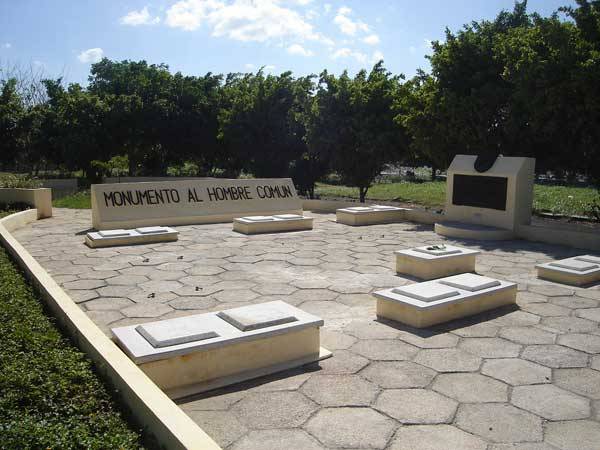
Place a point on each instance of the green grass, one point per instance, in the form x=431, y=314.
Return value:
x=79, y=200
x=50, y=397
x=571, y=201
x=555, y=199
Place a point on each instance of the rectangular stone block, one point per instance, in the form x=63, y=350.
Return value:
x=432, y=302
x=147, y=235
x=272, y=224
x=429, y=263
x=193, y=354
x=370, y=215
x=578, y=271
x=194, y=201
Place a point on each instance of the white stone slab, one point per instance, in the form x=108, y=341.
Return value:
x=141, y=350
x=259, y=218
x=114, y=233
x=254, y=317
x=164, y=334
x=385, y=208
x=131, y=205
x=575, y=264
x=589, y=258
x=444, y=250
x=426, y=292
x=152, y=230
x=288, y=216
x=470, y=282
x=359, y=208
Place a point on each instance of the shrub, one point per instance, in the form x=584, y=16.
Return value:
x=9, y=180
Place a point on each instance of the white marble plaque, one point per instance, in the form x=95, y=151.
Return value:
x=470, y=282
x=168, y=333
x=254, y=317
x=426, y=292
x=360, y=208
x=575, y=264
x=288, y=216
x=259, y=218
x=114, y=233
x=152, y=230
x=384, y=208
x=132, y=205
x=589, y=259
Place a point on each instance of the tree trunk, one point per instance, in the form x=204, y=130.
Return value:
x=362, y=193
x=433, y=172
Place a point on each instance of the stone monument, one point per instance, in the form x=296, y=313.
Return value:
x=487, y=198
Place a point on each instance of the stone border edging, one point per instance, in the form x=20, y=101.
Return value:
x=149, y=405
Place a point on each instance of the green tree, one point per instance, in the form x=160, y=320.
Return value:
x=352, y=125
x=11, y=114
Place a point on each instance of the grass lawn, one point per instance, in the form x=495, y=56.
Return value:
x=50, y=396
x=555, y=199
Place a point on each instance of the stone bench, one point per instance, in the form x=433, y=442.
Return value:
x=437, y=261
x=370, y=215
x=197, y=353
x=272, y=224
x=144, y=235
x=431, y=302
x=577, y=271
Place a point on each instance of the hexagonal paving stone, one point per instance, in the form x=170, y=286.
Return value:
x=499, y=422
x=147, y=310
x=570, y=324
x=429, y=339
x=547, y=310
x=384, y=349
x=555, y=356
x=476, y=330
x=186, y=303
x=370, y=329
x=340, y=390
x=334, y=340
x=448, y=360
x=527, y=335
x=550, y=402
x=201, y=269
x=311, y=283
x=490, y=347
x=326, y=309
x=470, y=388
x=274, y=289
x=343, y=362
x=588, y=343
x=516, y=371
x=551, y=290
x=434, y=437
x=575, y=434
x=399, y=374
x=105, y=303
x=523, y=446
x=160, y=286
x=277, y=440
x=235, y=295
x=274, y=409
x=417, y=406
x=222, y=426
x=84, y=284
x=351, y=428
x=574, y=302
x=595, y=363
x=125, y=280
x=306, y=295
x=590, y=314
x=584, y=382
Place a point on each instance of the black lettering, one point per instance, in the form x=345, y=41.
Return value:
x=247, y=192
x=111, y=197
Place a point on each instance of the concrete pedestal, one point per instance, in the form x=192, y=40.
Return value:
x=432, y=302
x=272, y=224
x=193, y=354
x=370, y=215
x=460, y=230
x=144, y=235
x=428, y=263
x=578, y=271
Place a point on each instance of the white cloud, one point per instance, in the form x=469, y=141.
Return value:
x=244, y=20
x=7, y=45
x=91, y=55
x=297, y=49
x=345, y=52
x=327, y=7
x=270, y=67
x=303, y=2
x=412, y=49
x=249, y=66
x=427, y=43
x=141, y=17
x=346, y=24
x=372, y=39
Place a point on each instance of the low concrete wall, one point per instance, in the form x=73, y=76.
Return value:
x=40, y=199
x=150, y=406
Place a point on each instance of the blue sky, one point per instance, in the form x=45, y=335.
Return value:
x=63, y=37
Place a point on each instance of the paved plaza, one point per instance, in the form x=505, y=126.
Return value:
x=516, y=378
